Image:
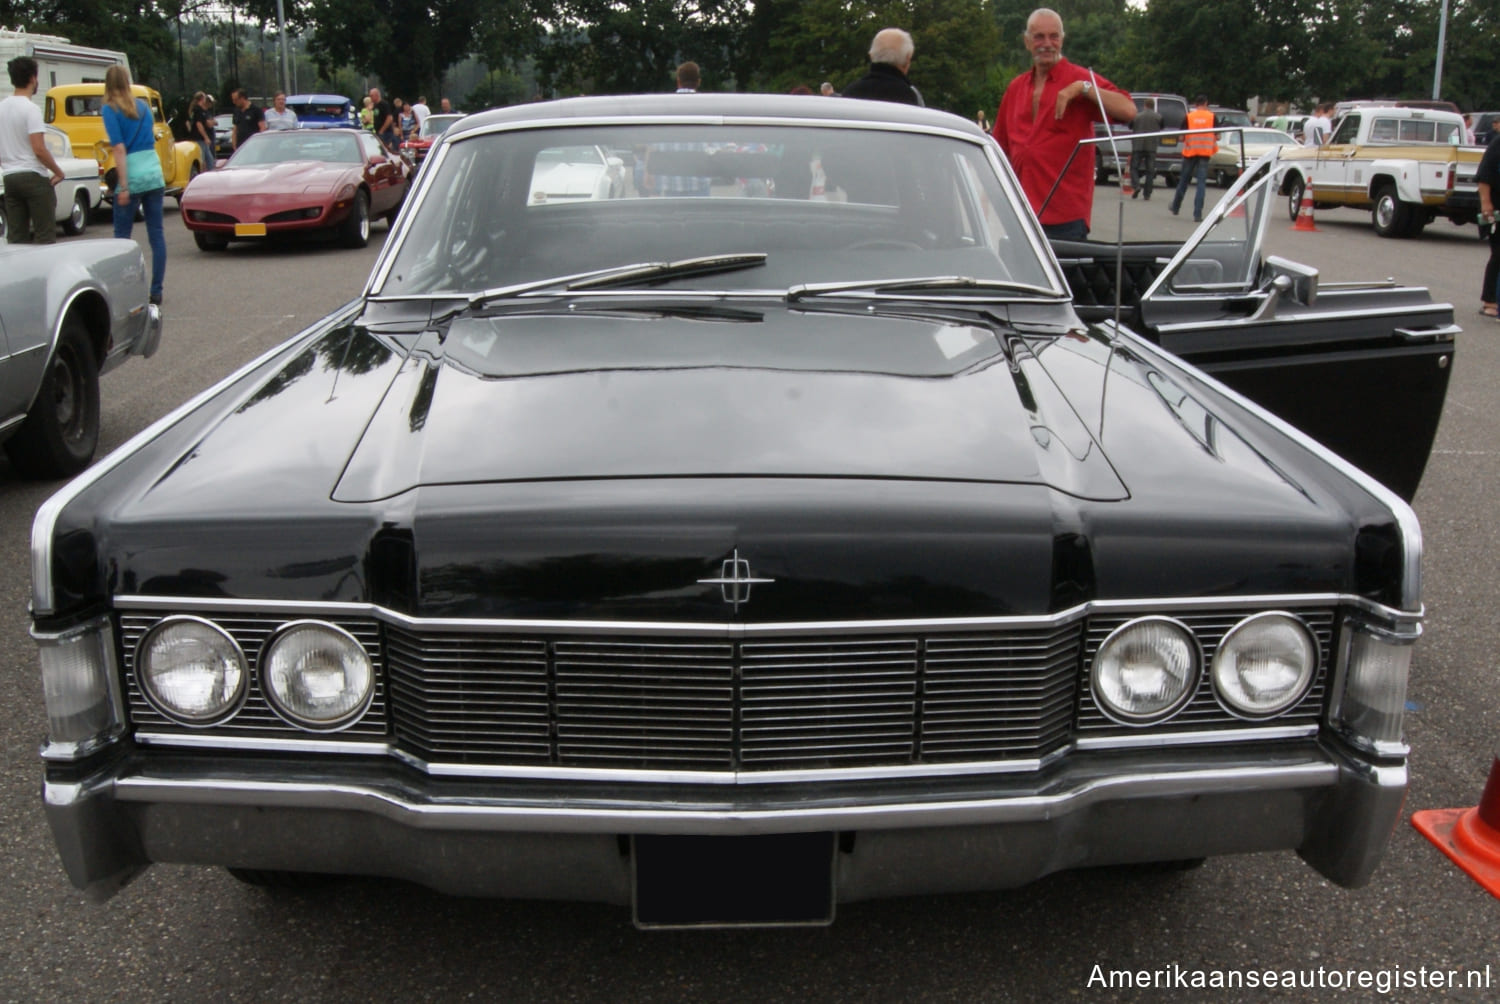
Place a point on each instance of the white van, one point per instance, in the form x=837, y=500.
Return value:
x=58, y=60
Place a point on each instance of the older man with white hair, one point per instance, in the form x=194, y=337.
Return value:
x=1043, y=115
x=890, y=60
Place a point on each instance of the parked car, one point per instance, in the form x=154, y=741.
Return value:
x=1407, y=166
x=1292, y=124
x=68, y=313
x=1482, y=126
x=77, y=193
x=223, y=136
x=1228, y=117
x=1173, y=109
x=417, y=148
x=297, y=181
x=733, y=554
x=570, y=173
x=1111, y=159
x=77, y=110
x=323, y=111
x=1237, y=150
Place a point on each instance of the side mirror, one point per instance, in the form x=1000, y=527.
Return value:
x=1291, y=279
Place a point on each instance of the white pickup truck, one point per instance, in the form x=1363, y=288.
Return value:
x=1408, y=166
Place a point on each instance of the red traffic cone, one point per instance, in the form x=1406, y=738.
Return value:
x=1471, y=837
x=1305, y=210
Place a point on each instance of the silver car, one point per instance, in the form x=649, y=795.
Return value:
x=68, y=313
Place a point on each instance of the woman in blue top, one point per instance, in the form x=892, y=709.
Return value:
x=139, y=182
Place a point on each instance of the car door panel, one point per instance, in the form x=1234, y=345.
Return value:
x=1361, y=367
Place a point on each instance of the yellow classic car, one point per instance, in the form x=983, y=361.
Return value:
x=77, y=109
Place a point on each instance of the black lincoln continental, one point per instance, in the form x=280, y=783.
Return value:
x=789, y=525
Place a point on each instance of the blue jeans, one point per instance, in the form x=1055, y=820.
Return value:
x=1191, y=166
x=125, y=222
x=208, y=154
x=1073, y=230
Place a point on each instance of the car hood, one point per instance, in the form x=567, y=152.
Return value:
x=624, y=393
x=296, y=177
x=599, y=467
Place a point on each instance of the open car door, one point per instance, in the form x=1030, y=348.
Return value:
x=1362, y=367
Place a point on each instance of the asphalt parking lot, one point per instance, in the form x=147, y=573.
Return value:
x=189, y=934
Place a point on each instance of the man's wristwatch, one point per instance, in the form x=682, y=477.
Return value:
x=1088, y=88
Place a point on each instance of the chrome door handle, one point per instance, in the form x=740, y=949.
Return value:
x=1439, y=333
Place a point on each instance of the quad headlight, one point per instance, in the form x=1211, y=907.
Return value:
x=191, y=670
x=317, y=676
x=1145, y=670
x=1264, y=665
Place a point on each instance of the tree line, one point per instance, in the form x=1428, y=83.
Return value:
x=1232, y=50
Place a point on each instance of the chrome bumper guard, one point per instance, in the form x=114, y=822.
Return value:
x=553, y=840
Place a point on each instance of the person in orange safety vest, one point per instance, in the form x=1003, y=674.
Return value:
x=1197, y=147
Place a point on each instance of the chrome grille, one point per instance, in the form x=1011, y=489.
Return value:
x=686, y=704
x=255, y=719
x=1204, y=711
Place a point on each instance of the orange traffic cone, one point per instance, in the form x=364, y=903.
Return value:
x=1471, y=837
x=1305, y=210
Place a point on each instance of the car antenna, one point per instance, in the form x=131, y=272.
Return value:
x=1114, y=152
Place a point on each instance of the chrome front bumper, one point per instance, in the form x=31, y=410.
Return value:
x=553, y=840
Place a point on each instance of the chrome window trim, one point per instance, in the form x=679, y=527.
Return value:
x=563, y=816
x=1406, y=518
x=989, y=148
x=44, y=525
x=1350, y=315
x=1405, y=622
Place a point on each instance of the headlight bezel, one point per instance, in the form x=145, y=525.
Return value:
x=1307, y=677
x=1194, y=679
x=143, y=677
x=269, y=692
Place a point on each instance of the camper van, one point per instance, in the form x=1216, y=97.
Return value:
x=59, y=61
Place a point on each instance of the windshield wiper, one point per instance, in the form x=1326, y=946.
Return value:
x=618, y=275
x=931, y=282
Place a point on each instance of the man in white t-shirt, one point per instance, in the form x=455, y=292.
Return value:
x=420, y=111
x=25, y=162
x=1317, y=129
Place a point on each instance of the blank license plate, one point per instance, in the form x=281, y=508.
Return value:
x=755, y=881
x=249, y=229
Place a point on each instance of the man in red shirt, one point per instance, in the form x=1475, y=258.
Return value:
x=1043, y=115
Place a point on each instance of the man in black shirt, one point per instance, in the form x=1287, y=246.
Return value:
x=201, y=127
x=386, y=126
x=890, y=59
x=1488, y=178
x=248, y=119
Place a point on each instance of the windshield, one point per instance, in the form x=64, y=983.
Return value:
x=320, y=110
x=822, y=204
x=279, y=147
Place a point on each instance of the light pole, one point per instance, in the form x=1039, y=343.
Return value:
x=1437, y=75
x=286, y=78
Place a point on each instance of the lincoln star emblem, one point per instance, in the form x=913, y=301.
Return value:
x=734, y=580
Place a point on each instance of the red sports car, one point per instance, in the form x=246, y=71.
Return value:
x=417, y=148
x=294, y=181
